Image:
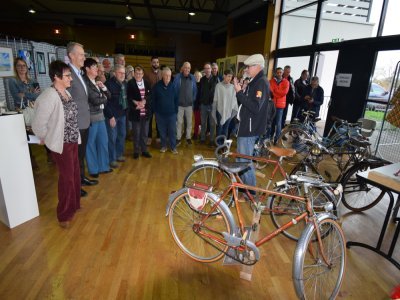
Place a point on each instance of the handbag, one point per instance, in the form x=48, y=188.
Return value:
x=28, y=112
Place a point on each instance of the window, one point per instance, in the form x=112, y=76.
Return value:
x=392, y=21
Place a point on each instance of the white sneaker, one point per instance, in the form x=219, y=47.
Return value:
x=163, y=149
x=174, y=151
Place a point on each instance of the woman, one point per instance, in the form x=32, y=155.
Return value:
x=56, y=125
x=139, y=111
x=97, y=146
x=225, y=103
x=23, y=89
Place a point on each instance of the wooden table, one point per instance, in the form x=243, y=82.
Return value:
x=384, y=179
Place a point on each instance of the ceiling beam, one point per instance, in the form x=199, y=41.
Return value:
x=152, y=18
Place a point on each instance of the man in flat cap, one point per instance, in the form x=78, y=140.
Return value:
x=253, y=111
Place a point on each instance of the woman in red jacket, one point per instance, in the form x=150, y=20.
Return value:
x=279, y=87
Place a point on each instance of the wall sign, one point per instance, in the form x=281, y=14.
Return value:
x=343, y=79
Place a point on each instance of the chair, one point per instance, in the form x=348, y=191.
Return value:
x=367, y=126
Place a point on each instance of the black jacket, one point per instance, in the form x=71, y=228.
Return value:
x=254, y=107
x=113, y=108
x=96, y=97
x=134, y=94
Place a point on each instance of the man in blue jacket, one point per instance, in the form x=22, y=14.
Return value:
x=186, y=91
x=253, y=111
x=165, y=106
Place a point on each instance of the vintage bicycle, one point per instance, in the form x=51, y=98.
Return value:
x=204, y=228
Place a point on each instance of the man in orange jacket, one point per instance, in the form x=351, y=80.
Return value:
x=279, y=87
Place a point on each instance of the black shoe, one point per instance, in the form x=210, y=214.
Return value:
x=189, y=141
x=94, y=175
x=146, y=154
x=135, y=155
x=108, y=171
x=86, y=181
x=83, y=193
x=178, y=142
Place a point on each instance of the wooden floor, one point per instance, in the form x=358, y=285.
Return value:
x=120, y=247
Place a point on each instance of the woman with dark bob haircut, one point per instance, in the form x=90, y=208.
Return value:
x=56, y=125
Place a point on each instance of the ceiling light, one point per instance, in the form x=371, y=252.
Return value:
x=31, y=10
x=132, y=36
x=192, y=13
x=128, y=16
x=57, y=31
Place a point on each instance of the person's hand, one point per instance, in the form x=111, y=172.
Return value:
x=236, y=85
x=100, y=84
x=36, y=90
x=113, y=122
x=41, y=142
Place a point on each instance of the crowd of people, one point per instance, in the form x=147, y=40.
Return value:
x=91, y=109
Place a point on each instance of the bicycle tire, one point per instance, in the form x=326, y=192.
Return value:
x=312, y=278
x=283, y=210
x=359, y=196
x=208, y=174
x=293, y=137
x=182, y=220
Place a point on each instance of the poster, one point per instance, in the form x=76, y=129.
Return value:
x=40, y=63
x=52, y=57
x=27, y=57
x=6, y=62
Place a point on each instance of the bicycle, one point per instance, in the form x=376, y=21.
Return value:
x=210, y=173
x=357, y=195
x=204, y=228
x=295, y=134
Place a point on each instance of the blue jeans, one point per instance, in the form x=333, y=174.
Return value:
x=116, y=138
x=167, y=128
x=245, y=145
x=276, y=127
x=222, y=128
x=97, y=148
x=206, y=113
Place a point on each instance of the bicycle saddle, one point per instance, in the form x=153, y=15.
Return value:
x=234, y=167
x=282, y=152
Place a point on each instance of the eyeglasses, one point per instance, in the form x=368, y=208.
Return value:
x=21, y=66
x=68, y=75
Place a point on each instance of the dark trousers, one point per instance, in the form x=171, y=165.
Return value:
x=284, y=115
x=82, y=150
x=167, y=126
x=69, y=182
x=140, y=133
x=150, y=135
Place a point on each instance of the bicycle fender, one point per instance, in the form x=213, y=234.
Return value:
x=206, y=162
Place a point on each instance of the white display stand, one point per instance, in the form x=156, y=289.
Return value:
x=18, y=202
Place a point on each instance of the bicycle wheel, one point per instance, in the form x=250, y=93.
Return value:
x=283, y=210
x=211, y=175
x=357, y=195
x=294, y=137
x=312, y=277
x=199, y=241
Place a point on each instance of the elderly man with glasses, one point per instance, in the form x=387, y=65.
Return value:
x=253, y=111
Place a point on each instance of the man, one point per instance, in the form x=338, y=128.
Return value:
x=107, y=67
x=290, y=95
x=279, y=89
x=313, y=96
x=78, y=91
x=165, y=106
x=119, y=59
x=300, y=86
x=186, y=90
x=115, y=113
x=214, y=71
x=253, y=99
x=153, y=76
x=206, y=98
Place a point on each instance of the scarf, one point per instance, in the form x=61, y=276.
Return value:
x=122, y=97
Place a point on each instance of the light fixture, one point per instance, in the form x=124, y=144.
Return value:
x=132, y=36
x=31, y=10
x=57, y=31
x=192, y=13
x=128, y=16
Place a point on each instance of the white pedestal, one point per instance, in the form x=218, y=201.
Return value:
x=18, y=202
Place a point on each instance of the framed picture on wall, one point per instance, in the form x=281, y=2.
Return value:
x=6, y=62
x=27, y=57
x=40, y=63
x=52, y=57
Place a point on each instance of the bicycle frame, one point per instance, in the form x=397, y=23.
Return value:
x=307, y=215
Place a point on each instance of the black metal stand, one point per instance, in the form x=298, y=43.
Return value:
x=377, y=249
